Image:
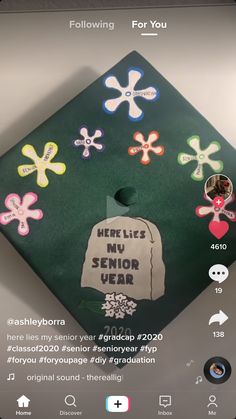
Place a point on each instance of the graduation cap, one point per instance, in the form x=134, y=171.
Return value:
x=133, y=139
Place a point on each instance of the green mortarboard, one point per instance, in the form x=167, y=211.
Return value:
x=105, y=200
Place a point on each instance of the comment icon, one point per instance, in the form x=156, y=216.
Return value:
x=218, y=273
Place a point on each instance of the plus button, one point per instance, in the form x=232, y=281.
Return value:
x=218, y=202
x=118, y=404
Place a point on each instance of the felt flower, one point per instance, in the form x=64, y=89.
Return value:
x=217, y=227
x=146, y=146
x=128, y=94
x=19, y=210
x=201, y=157
x=88, y=141
x=118, y=305
x=41, y=164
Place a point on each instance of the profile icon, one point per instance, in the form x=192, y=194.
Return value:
x=212, y=401
x=217, y=370
x=218, y=186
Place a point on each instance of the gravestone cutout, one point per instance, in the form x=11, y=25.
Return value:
x=124, y=255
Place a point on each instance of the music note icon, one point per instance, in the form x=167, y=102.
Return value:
x=198, y=380
x=11, y=377
x=189, y=363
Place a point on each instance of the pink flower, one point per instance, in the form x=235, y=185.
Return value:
x=217, y=227
x=19, y=210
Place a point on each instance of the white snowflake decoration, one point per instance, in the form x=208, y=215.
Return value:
x=118, y=305
x=128, y=94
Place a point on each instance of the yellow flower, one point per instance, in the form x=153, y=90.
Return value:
x=41, y=164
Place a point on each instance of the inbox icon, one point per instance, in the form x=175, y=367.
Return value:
x=117, y=404
x=165, y=401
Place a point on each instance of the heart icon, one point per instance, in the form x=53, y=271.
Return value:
x=218, y=228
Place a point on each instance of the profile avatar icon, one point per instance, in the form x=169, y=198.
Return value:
x=217, y=370
x=218, y=186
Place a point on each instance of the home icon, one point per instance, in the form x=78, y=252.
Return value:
x=23, y=401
